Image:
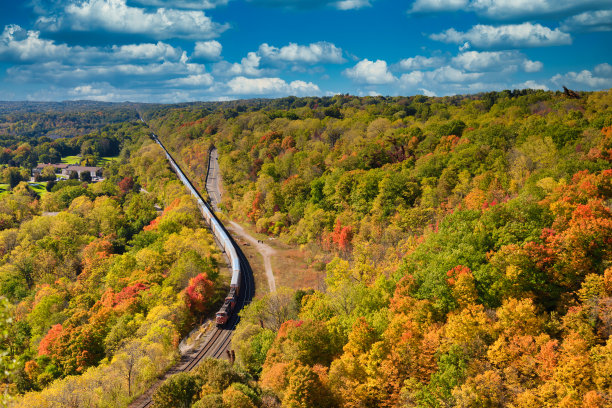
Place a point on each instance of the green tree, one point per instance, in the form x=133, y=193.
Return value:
x=178, y=391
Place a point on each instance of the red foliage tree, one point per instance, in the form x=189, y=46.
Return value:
x=126, y=185
x=129, y=297
x=199, y=293
x=342, y=236
x=256, y=207
x=47, y=343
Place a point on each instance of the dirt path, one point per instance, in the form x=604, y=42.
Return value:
x=214, y=188
x=266, y=252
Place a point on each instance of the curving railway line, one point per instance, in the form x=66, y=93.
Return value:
x=242, y=276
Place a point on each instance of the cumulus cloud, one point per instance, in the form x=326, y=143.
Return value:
x=412, y=78
x=506, y=36
x=419, y=62
x=370, y=72
x=532, y=66
x=67, y=75
x=451, y=80
x=309, y=4
x=270, y=86
x=495, y=61
x=19, y=45
x=192, y=80
x=597, y=79
x=147, y=51
x=426, y=6
x=351, y=4
x=183, y=4
x=207, y=50
x=249, y=65
x=427, y=92
x=268, y=60
x=600, y=20
x=103, y=91
x=449, y=74
x=315, y=53
x=603, y=70
x=116, y=16
x=510, y=9
x=530, y=85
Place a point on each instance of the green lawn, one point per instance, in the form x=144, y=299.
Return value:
x=76, y=160
x=104, y=160
x=71, y=159
x=40, y=187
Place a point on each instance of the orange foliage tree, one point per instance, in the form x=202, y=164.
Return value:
x=199, y=293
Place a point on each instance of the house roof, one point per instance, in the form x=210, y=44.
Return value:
x=83, y=168
x=55, y=165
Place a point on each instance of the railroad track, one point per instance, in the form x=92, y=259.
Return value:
x=219, y=340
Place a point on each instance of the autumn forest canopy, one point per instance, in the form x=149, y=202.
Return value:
x=465, y=244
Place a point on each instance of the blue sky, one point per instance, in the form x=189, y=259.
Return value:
x=186, y=50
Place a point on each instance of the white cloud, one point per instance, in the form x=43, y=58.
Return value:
x=149, y=52
x=585, y=80
x=412, y=78
x=17, y=44
x=103, y=91
x=184, y=4
x=208, y=50
x=315, y=53
x=249, y=65
x=427, y=92
x=438, y=5
x=532, y=66
x=445, y=80
x=495, y=61
x=370, y=72
x=270, y=86
x=65, y=75
x=419, y=62
x=352, y=4
x=439, y=77
x=530, y=85
x=309, y=4
x=506, y=36
x=117, y=16
x=450, y=74
x=510, y=9
x=600, y=20
x=268, y=60
x=192, y=80
x=603, y=70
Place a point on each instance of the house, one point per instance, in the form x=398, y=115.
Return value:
x=94, y=171
x=58, y=167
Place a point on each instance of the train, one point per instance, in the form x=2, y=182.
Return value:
x=229, y=304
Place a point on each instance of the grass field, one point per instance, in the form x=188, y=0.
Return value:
x=71, y=159
x=104, y=160
x=40, y=187
x=4, y=189
x=289, y=265
x=77, y=159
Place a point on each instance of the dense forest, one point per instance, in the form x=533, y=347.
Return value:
x=466, y=242
x=38, y=132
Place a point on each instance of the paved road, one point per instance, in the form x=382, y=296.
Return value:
x=215, y=189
